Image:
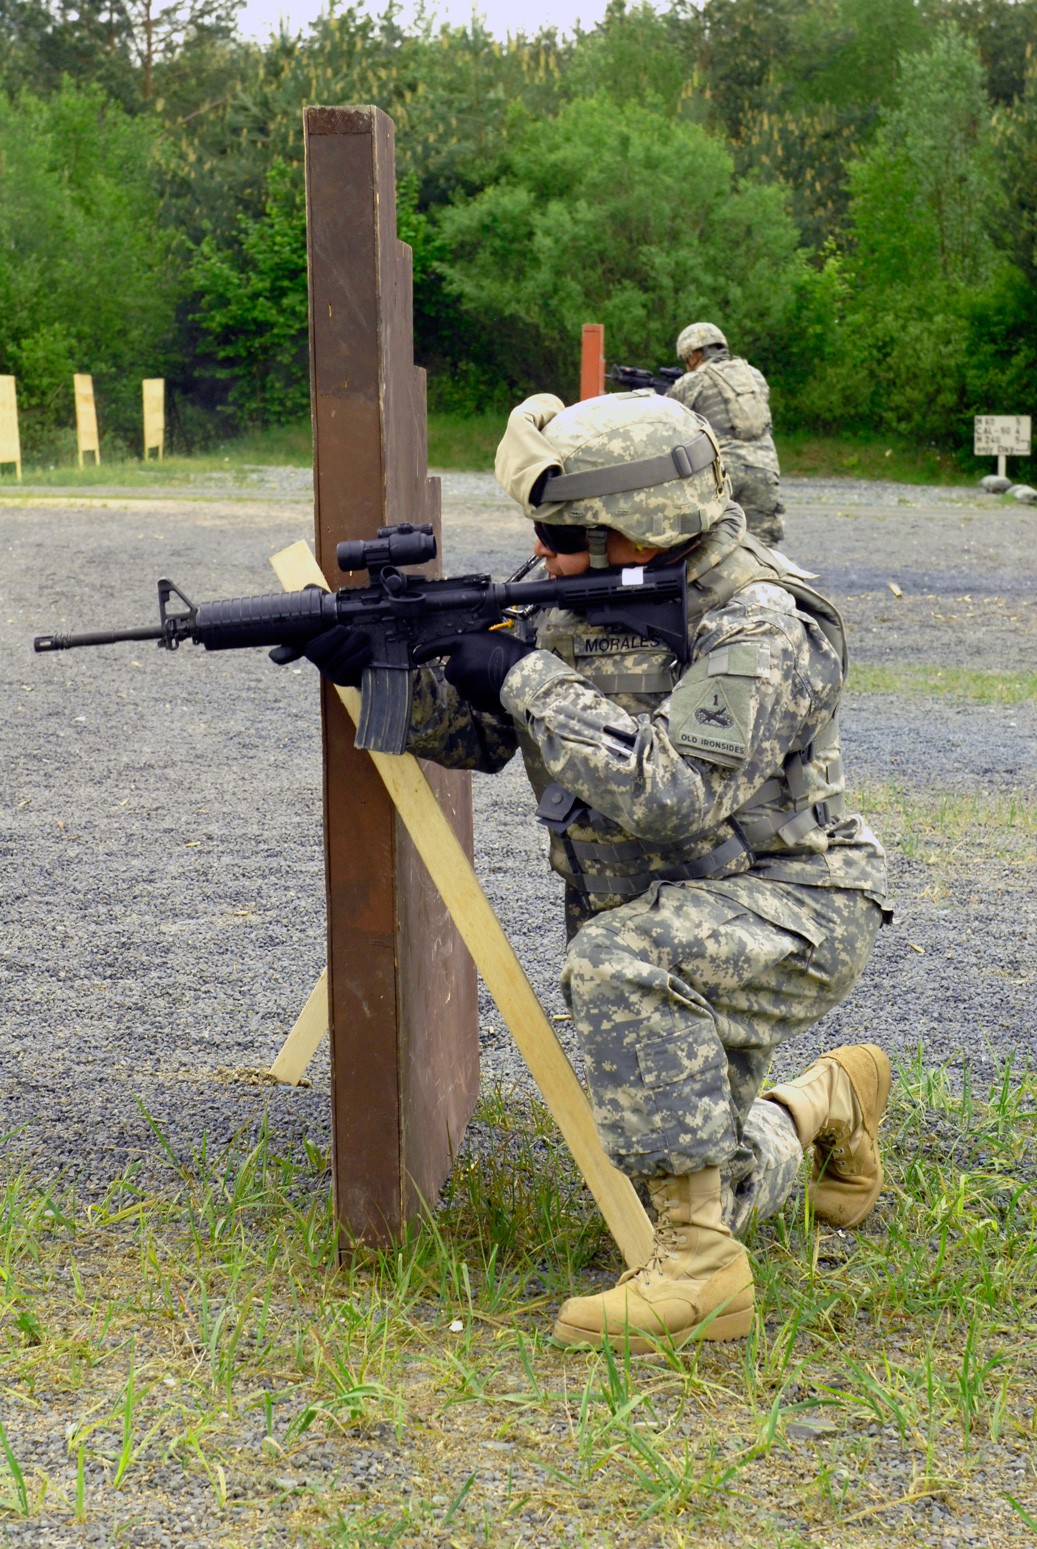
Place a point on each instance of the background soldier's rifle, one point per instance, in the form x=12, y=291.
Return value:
x=631, y=377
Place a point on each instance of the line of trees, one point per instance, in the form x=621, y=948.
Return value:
x=847, y=186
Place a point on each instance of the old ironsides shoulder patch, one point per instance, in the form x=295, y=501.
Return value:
x=711, y=709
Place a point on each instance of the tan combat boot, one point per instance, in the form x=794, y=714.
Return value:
x=836, y=1106
x=698, y=1283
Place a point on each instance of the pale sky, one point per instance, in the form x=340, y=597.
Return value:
x=259, y=18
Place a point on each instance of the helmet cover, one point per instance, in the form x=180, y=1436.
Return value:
x=696, y=337
x=623, y=428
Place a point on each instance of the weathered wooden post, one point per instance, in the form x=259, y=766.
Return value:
x=401, y=986
x=592, y=360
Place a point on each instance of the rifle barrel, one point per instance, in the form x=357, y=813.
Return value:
x=104, y=637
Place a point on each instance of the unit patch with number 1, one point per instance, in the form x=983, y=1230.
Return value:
x=711, y=709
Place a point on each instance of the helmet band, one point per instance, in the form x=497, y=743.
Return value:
x=681, y=462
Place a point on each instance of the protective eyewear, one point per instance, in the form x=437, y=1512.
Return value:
x=561, y=540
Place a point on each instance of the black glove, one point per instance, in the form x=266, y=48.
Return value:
x=339, y=654
x=478, y=663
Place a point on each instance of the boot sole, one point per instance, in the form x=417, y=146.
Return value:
x=725, y=1326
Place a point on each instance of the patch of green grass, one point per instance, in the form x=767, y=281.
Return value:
x=952, y=831
x=984, y=688
x=455, y=441
x=466, y=442
x=804, y=455
x=205, y=1343
x=121, y=474
x=281, y=446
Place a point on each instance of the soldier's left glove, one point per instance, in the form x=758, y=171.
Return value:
x=339, y=654
x=478, y=664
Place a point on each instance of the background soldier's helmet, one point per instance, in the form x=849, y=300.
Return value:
x=640, y=463
x=696, y=337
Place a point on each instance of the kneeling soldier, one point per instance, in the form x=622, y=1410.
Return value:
x=719, y=898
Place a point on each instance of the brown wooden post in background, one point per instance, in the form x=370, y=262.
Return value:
x=592, y=361
x=403, y=1007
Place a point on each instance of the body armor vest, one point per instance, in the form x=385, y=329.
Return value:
x=788, y=813
x=746, y=406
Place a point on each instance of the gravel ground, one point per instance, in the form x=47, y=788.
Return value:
x=161, y=838
x=163, y=870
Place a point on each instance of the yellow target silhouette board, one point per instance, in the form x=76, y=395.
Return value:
x=10, y=447
x=86, y=417
x=154, y=415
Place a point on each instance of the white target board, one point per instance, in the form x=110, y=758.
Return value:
x=1002, y=435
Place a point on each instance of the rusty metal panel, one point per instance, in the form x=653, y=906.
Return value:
x=404, y=1034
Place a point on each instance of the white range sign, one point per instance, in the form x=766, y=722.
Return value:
x=1002, y=435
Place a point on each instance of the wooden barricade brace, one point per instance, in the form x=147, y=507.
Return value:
x=86, y=417
x=153, y=392
x=404, y=1035
x=10, y=446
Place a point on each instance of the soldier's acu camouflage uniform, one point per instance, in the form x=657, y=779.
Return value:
x=718, y=897
x=734, y=397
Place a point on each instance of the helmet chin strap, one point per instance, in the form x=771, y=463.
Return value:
x=598, y=542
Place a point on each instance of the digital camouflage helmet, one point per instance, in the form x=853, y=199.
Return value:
x=698, y=336
x=641, y=464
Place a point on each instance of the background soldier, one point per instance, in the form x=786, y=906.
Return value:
x=734, y=397
x=719, y=899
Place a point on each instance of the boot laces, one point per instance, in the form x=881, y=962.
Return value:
x=670, y=1237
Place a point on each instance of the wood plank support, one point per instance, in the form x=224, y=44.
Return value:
x=304, y=1040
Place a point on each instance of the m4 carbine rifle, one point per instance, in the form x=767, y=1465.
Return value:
x=403, y=613
x=632, y=377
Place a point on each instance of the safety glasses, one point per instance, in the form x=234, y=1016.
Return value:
x=561, y=540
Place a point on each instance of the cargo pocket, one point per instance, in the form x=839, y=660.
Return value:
x=789, y=916
x=686, y=1096
x=677, y=1059
x=662, y=1063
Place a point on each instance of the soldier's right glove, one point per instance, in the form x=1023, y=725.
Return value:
x=339, y=654
x=478, y=664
